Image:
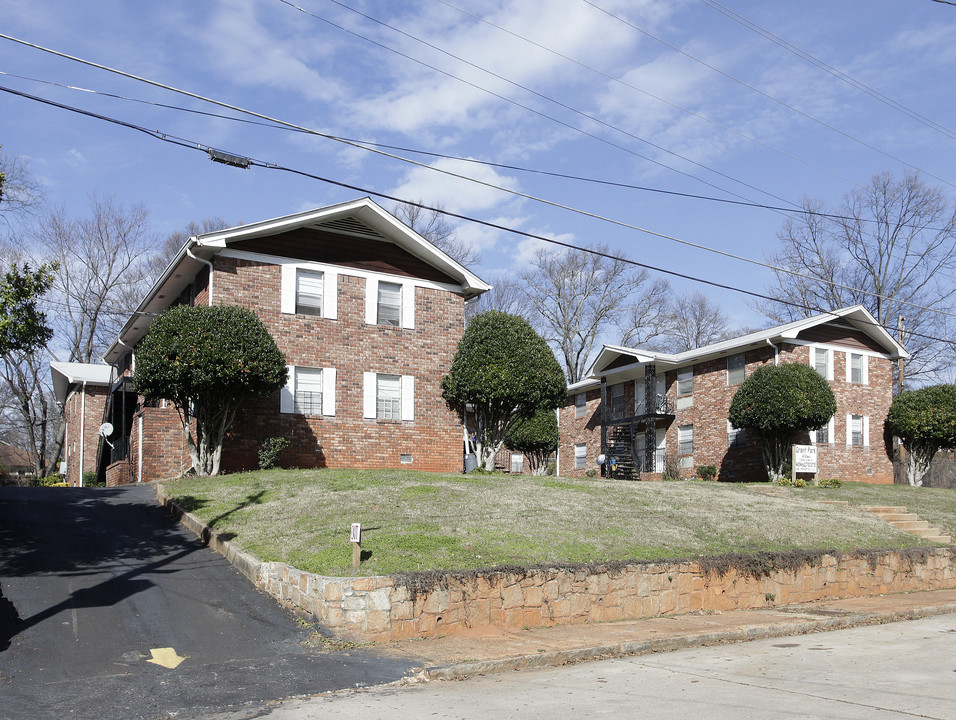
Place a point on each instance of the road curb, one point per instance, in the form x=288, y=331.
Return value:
x=455, y=671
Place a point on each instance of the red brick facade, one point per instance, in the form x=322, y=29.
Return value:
x=862, y=406
x=83, y=415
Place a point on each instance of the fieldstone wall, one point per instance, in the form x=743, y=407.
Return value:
x=391, y=608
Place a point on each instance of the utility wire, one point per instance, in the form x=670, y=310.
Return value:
x=530, y=109
x=817, y=62
x=462, y=159
x=835, y=129
x=625, y=83
x=182, y=142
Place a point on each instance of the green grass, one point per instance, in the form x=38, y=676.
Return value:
x=422, y=521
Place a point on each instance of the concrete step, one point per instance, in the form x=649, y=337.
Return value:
x=944, y=539
x=911, y=526
x=898, y=517
x=926, y=532
x=880, y=509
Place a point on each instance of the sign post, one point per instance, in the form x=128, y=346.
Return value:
x=356, y=538
x=804, y=460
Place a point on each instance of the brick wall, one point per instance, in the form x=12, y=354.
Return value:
x=432, y=441
x=83, y=426
x=707, y=407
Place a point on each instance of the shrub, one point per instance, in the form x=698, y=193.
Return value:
x=90, y=479
x=671, y=467
x=799, y=482
x=591, y=473
x=52, y=480
x=925, y=421
x=269, y=451
x=830, y=483
x=783, y=481
x=706, y=472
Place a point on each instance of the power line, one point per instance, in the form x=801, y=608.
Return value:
x=504, y=228
x=835, y=129
x=459, y=158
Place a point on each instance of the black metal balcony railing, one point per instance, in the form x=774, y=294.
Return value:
x=120, y=449
x=655, y=465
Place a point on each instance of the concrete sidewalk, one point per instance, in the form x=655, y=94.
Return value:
x=492, y=650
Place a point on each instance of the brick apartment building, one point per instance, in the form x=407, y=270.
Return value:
x=368, y=314
x=665, y=411
x=81, y=389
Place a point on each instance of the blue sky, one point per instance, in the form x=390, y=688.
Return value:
x=667, y=94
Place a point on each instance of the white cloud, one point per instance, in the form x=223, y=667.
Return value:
x=76, y=157
x=454, y=193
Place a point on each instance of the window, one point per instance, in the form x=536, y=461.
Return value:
x=308, y=292
x=824, y=435
x=388, y=396
x=822, y=363
x=517, y=463
x=309, y=391
x=580, y=456
x=389, y=304
x=857, y=430
x=736, y=369
x=580, y=405
x=685, y=440
x=856, y=370
x=685, y=381
x=735, y=437
x=616, y=401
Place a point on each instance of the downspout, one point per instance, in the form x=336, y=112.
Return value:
x=139, y=460
x=557, y=454
x=776, y=352
x=82, y=429
x=205, y=262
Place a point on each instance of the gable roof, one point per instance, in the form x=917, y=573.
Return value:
x=358, y=219
x=619, y=359
x=66, y=374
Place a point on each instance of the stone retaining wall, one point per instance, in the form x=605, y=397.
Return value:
x=391, y=608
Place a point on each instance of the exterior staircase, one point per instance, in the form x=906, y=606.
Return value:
x=908, y=522
x=619, y=447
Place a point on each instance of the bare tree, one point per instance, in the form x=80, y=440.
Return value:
x=19, y=190
x=892, y=249
x=576, y=297
x=103, y=271
x=37, y=423
x=694, y=321
x=171, y=244
x=433, y=225
x=506, y=295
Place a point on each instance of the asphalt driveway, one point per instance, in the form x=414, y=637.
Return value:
x=109, y=609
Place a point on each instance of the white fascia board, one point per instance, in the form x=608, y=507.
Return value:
x=65, y=374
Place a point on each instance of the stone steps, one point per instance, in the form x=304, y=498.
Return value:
x=898, y=517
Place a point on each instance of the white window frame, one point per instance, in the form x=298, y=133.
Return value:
x=685, y=438
x=290, y=284
x=829, y=360
x=517, y=463
x=616, y=392
x=580, y=405
x=407, y=301
x=864, y=374
x=309, y=292
x=370, y=403
x=580, y=456
x=742, y=370
x=864, y=423
x=830, y=429
x=685, y=376
x=287, y=404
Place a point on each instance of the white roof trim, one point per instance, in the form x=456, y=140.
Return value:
x=66, y=373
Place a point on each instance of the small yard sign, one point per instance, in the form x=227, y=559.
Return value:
x=356, y=539
x=804, y=458
x=356, y=532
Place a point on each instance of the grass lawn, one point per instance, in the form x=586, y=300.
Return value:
x=423, y=521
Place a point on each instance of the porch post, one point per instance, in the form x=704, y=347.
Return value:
x=650, y=424
x=604, y=418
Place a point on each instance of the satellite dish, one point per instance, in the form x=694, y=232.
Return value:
x=106, y=429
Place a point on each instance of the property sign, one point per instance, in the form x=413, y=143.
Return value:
x=804, y=458
x=356, y=533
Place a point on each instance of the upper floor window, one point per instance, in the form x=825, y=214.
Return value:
x=389, y=304
x=822, y=360
x=685, y=381
x=580, y=405
x=616, y=401
x=736, y=369
x=309, y=290
x=856, y=369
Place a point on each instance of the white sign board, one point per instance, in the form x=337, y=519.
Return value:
x=356, y=532
x=804, y=458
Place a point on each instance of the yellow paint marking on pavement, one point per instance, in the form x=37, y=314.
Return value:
x=166, y=657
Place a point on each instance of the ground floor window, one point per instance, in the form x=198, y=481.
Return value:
x=580, y=456
x=517, y=463
x=685, y=440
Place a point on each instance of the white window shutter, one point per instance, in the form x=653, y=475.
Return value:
x=371, y=302
x=849, y=367
x=330, y=295
x=849, y=429
x=328, y=391
x=408, y=306
x=287, y=301
x=368, y=394
x=866, y=430
x=866, y=372
x=830, y=354
x=831, y=430
x=408, y=397
x=287, y=394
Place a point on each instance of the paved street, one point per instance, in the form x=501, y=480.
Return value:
x=109, y=609
x=900, y=670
